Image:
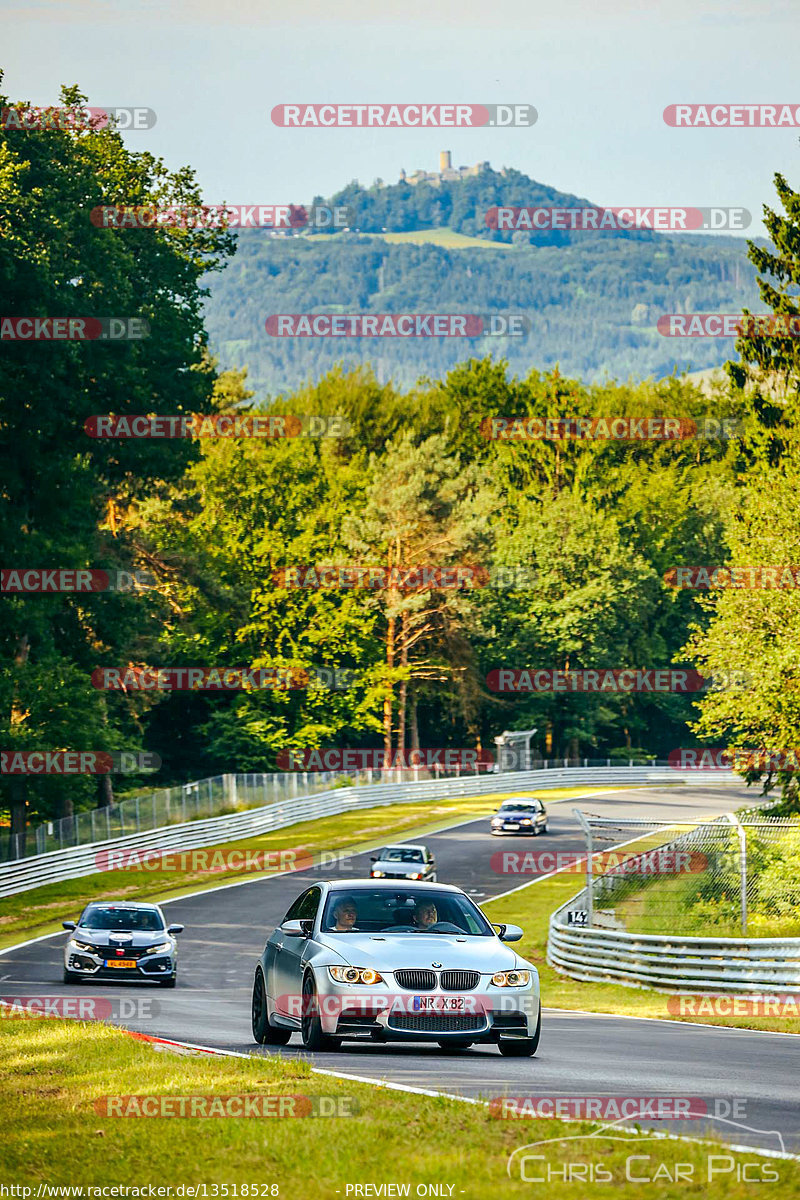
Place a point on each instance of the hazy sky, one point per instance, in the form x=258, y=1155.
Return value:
x=599, y=74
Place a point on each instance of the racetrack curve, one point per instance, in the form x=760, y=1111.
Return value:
x=581, y=1054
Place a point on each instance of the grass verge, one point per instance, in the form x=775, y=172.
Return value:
x=52, y=1073
x=532, y=906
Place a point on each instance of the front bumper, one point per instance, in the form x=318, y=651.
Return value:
x=386, y=1012
x=151, y=966
x=515, y=829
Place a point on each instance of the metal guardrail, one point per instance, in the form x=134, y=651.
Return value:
x=56, y=866
x=732, y=964
x=225, y=793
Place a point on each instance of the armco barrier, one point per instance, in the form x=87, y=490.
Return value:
x=695, y=964
x=23, y=874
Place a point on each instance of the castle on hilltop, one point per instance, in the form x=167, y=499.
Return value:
x=447, y=173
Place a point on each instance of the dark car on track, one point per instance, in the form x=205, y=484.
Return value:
x=524, y=815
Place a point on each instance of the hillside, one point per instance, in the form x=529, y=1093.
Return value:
x=592, y=299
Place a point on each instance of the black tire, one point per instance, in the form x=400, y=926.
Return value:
x=522, y=1047
x=455, y=1045
x=70, y=976
x=544, y=828
x=263, y=1032
x=169, y=982
x=311, y=1026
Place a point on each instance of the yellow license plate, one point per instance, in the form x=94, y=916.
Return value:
x=120, y=962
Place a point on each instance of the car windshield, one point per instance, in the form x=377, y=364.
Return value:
x=401, y=854
x=518, y=808
x=398, y=910
x=145, y=920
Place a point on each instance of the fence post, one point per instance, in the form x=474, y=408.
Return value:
x=138, y=821
x=742, y=868
x=587, y=829
x=94, y=835
x=108, y=820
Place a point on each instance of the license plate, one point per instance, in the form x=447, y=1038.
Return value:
x=438, y=1004
x=512, y=826
x=120, y=962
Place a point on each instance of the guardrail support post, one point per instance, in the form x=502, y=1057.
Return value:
x=742, y=868
x=587, y=829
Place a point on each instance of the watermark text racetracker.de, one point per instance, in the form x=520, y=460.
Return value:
x=749, y=578
x=341, y=758
x=73, y=329
x=614, y=1108
x=397, y=325
x=402, y=116
x=732, y=116
x=661, y=861
x=216, y=861
x=220, y=679
x=587, y=218
x=733, y=758
x=617, y=680
x=415, y=577
x=218, y=425
x=277, y=217
x=38, y=581
x=615, y=429
x=258, y=1104
x=80, y=1007
x=78, y=762
x=36, y=118
x=729, y=325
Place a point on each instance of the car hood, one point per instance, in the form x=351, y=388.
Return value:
x=398, y=951
x=117, y=938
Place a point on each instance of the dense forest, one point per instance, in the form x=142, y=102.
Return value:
x=592, y=299
x=592, y=528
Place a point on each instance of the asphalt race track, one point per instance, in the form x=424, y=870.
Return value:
x=580, y=1053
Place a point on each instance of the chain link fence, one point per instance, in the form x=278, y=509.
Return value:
x=237, y=793
x=738, y=874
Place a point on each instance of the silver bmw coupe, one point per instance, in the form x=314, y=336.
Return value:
x=388, y=961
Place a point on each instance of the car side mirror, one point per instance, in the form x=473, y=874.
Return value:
x=296, y=928
x=175, y=928
x=373, y=858
x=69, y=925
x=508, y=933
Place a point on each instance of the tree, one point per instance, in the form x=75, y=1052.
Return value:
x=65, y=495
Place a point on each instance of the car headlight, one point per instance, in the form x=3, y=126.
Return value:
x=497, y=820
x=355, y=975
x=512, y=978
x=377, y=874
x=526, y=821
x=416, y=875
x=74, y=944
x=161, y=948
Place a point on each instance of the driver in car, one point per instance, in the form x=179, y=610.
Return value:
x=345, y=914
x=424, y=914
